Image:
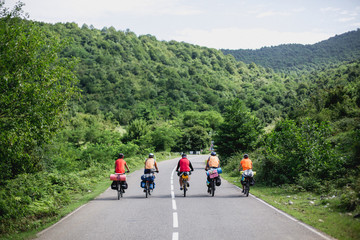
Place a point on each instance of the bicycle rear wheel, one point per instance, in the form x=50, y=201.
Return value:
x=184, y=187
x=212, y=188
x=119, y=190
x=247, y=188
x=147, y=189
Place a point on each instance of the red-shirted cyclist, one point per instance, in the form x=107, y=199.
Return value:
x=184, y=165
x=120, y=164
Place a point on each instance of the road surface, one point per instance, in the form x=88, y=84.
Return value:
x=169, y=215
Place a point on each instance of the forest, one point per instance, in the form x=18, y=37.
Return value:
x=73, y=97
x=299, y=58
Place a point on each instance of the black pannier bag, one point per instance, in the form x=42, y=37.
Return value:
x=124, y=185
x=252, y=182
x=218, y=181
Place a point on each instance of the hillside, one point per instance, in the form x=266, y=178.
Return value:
x=295, y=57
x=124, y=76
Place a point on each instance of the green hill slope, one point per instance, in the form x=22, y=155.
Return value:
x=295, y=57
x=125, y=76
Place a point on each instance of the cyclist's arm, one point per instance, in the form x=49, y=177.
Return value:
x=191, y=167
x=155, y=164
x=127, y=167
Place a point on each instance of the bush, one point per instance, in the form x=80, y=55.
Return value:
x=29, y=199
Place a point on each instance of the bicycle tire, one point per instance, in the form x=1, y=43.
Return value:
x=247, y=188
x=212, y=188
x=184, y=187
x=119, y=190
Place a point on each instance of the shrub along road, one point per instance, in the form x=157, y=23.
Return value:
x=168, y=215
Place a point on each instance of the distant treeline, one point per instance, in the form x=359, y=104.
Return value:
x=298, y=57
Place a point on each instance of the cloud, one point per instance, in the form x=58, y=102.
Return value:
x=271, y=14
x=330, y=9
x=346, y=19
x=236, y=38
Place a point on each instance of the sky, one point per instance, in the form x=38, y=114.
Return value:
x=219, y=24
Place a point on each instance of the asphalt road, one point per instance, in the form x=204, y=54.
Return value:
x=169, y=215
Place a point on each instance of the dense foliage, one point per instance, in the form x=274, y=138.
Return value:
x=35, y=85
x=298, y=57
x=125, y=77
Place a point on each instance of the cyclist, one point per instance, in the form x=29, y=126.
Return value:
x=184, y=165
x=212, y=162
x=150, y=164
x=246, y=165
x=120, y=165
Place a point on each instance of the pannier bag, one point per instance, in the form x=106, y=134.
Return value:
x=252, y=182
x=212, y=173
x=118, y=177
x=219, y=170
x=113, y=185
x=124, y=185
x=218, y=181
x=151, y=185
x=148, y=177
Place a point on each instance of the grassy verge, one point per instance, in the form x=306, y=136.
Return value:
x=36, y=221
x=313, y=209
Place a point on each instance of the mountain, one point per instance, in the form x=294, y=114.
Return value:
x=295, y=57
x=124, y=76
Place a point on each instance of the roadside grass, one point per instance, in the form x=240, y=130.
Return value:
x=313, y=209
x=77, y=200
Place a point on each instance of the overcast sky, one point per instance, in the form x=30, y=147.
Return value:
x=227, y=24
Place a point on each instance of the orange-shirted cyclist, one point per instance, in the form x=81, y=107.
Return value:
x=150, y=164
x=245, y=164
x=212, y=162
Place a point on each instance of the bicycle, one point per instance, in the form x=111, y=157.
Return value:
x=248, y=181
x=212, y=174
x=149, y=183
x=120, y=180
x=185, y=178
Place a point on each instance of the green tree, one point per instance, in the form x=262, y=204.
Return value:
x=239, y=132
x=136, y=129
x=298, y=153
x=35, y=85
x=194, y=139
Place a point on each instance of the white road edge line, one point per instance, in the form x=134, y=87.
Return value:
x=175, y=235
x=290, y=217
x=61, y=220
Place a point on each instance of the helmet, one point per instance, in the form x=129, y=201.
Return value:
x=213, y=153
x=246, y=156
x=151, y=155
x=183, y=155
x=121, y=155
